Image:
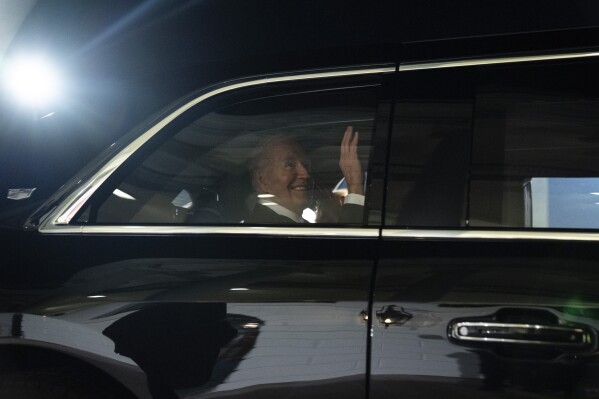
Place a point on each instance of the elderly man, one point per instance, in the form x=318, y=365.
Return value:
x=282, y=181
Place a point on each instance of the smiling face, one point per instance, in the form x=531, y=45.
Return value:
x=282, y=172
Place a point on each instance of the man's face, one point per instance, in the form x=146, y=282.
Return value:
x=284, y=174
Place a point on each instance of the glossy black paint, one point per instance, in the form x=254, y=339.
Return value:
x=524, y=282
x=196, y=315
x=425, y=283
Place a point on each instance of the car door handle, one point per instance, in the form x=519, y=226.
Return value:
x=517, y=333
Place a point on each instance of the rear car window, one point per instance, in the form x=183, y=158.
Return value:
x=510, y=146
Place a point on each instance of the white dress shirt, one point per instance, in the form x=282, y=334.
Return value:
x=356, y=199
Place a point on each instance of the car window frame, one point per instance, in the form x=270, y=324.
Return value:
x=59, y=219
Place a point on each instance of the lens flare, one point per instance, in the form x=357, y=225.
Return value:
x=31, y=80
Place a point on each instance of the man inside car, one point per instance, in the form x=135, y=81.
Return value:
x=281, y=178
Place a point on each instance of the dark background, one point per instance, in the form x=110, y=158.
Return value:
x=126, y=59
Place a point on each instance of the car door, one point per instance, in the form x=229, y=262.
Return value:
x=149, y=260
x=487, y=281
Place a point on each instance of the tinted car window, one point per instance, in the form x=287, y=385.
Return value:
x=536, y=146
x=203, y=173
x=512, y=146
x=429, y=154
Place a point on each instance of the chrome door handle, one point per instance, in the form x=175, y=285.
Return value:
x=516, y=333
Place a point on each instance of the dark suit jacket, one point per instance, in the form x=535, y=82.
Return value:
x=350, y=214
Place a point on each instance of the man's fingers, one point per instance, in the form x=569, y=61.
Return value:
x=347, y=136
x=348, y=141
x=354, y=144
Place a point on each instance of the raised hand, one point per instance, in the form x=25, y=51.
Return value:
x=350, y=163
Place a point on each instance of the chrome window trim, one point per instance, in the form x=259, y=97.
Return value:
x=489, y=234
x=301, y=231
x=356, y=232
x=64, y=213
x=417, y=66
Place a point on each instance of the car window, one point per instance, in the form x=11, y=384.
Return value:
x=510, y=146
x=429, y=154
x=535, y=155
x=205, y=173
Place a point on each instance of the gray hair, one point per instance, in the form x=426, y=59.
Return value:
x=258, y=156
x=258, y=159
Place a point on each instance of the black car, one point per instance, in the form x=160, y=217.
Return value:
x=469, y=271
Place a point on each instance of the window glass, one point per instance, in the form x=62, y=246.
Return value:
x=429, y=154
x=273, y=160
x=535, y=159
x=510, y=146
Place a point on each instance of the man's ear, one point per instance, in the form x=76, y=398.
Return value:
x=258, y=181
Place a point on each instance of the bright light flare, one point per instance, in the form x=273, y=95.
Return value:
x=309, y=215
x=31, y=80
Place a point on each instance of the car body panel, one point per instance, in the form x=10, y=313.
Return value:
x=263, y=316
x=543, y=282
